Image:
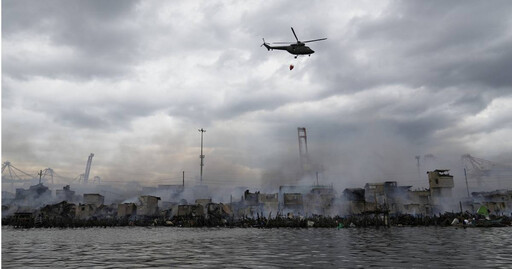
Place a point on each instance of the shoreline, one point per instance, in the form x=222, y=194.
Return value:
x=363, y=221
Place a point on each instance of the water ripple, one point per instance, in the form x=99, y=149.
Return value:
x=164, y=247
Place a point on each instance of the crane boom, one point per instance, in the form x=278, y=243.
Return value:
x=88, y=168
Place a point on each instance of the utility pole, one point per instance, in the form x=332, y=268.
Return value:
x=418, y=165
x=466, y=177
x=202, y=155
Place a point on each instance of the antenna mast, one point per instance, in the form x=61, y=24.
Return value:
x=202, y=155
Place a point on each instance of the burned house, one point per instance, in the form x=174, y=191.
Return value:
x=354, y=201
x=35, y=195
x=293, y=202
x=381, y=194
x=126, y=210
x=148, y=205
x=386, y=197
x=498, y=202
x=91, y=207
x=62, y=211
x=85, y=211
x=249, y=205
x=319, y=200
x=203, y=202
x=418, y=203
x=269, y=202
x=94, y=199
x=291, y=198
x=217, y=211
x=66, y=194
x=190, y=210
x=256, y=203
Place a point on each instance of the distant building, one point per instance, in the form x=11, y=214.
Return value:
x=66, y=194
x=85, y=211
x=59, y=211
x=499, y=202
x=319, y=200
x=148, y=205
x=269, y=202
x=203, y=202
x=37, y=194
x=126, y=210
x=293, y=202
x=441, y=185
x=354, y=201
x=190, y=210
x=94, y=199
x=418, y=203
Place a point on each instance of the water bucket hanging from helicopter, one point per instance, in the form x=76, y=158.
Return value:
x=291, y=66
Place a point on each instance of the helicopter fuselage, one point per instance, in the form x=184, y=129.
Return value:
x=295, y=49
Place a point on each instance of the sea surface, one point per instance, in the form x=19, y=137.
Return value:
x=169, y=247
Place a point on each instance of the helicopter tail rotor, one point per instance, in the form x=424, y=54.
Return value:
x=265, y=44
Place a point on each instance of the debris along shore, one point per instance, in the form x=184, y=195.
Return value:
x=356, y=221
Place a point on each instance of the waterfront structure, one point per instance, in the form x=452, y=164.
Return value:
x=126, y=210
x=66, y=194
x=85, y=211
x=389, y=197
x=94, y=199
x=498, y=202
x=59, y=211
x=35, y=194
x=441, y=185
x=353, y=201
x=269, y=202
x=148, y=205
x=190, y=210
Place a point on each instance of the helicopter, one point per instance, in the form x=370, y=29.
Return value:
x=296, y=49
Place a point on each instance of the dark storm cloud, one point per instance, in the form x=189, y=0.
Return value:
x=440, y=44
x=97, y=34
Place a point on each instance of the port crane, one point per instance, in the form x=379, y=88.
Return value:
x=483, y=170
x=85, y=177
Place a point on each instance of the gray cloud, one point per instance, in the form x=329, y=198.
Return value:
x=132, y=81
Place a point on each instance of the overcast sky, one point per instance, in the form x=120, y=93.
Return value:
x=133, y=81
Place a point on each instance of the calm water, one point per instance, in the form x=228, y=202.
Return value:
x=165, y=247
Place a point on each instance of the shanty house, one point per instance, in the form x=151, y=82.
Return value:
x=126, y=210
x=148, y=205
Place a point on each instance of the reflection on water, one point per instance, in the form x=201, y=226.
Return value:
x=165, y=247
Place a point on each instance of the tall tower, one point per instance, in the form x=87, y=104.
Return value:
x=303, y=149
x=202, y=155
x=88, y=168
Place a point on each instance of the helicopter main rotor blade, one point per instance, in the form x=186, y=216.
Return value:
x=283, y=42
x=314, y=40
x=295, y=34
